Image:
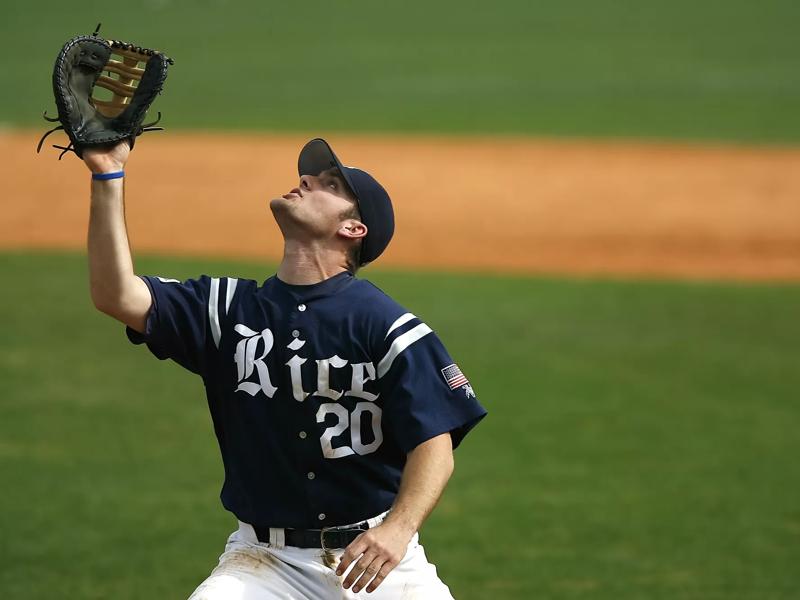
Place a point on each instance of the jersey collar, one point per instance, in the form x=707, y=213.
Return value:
x=305, y=293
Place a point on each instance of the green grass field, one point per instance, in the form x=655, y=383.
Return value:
x=642, y=441
x=686, y=68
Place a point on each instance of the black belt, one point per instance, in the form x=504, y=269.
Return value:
x=328, y=538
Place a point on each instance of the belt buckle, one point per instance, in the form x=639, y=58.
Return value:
x=337, y=529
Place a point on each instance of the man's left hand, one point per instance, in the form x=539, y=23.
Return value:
x=380, y=550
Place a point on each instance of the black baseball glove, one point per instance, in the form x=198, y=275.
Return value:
x=84, y=64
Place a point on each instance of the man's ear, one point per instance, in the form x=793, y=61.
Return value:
x=352, y=229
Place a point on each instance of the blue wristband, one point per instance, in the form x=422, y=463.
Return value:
x=105, y=176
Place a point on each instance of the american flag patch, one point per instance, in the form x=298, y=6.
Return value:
x=454, y=377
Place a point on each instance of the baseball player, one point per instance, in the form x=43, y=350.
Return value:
x=336, y=410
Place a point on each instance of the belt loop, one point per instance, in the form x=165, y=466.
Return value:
x=375, y=521
x=277, y=537
x=247, y=532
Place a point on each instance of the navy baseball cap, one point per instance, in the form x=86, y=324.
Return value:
x=374, y=203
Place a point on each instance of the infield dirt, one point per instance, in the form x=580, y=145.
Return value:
x=493, y=204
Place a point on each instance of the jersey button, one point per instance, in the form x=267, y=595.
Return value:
x=301, y=307
x=302, y=435
x=295, y=333
x=321, y=516
x=311, y=475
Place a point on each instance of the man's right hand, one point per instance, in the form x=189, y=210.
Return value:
x=107, y=159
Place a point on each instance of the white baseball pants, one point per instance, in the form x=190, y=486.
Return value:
x=251, y=570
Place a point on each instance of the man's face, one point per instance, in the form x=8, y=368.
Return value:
x=314, y=209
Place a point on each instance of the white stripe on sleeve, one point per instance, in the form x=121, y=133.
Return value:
x=400, y=321
x=213, y=316
x=401, y=343
x=229, y=292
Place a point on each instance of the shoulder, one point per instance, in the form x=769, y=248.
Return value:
x=209, y=288
x=376, y=305
x=380, y=304
x=232, y=286
x=209, y=298
x=393, y=327
x=225, y=292
x=201, y=283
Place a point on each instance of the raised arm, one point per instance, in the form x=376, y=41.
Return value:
x=115, y=288
x=379, y=550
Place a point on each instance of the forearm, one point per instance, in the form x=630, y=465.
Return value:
x=428, y=468
x=427, y=471
x=110, y=263
x=115, y=289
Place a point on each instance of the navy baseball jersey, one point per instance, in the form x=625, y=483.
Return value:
x=317, y=392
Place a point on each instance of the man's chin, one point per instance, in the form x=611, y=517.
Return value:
x=279, y=204
x=284, y=213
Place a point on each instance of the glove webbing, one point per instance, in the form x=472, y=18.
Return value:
x=128, y=76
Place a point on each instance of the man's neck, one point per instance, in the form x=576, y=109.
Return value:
x=302, y=265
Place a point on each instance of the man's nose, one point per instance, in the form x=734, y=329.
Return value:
x=307, y=182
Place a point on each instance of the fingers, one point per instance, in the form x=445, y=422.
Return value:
x=382, y=573
x=366, y=576
x=359, y=568
x=351, y=553
x=371, y=562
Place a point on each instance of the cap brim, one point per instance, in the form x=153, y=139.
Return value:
x=317, y=156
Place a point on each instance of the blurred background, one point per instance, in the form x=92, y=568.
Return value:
x=598, y=209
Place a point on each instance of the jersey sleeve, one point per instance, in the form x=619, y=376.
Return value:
x=184, y=319
x=426, y=394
